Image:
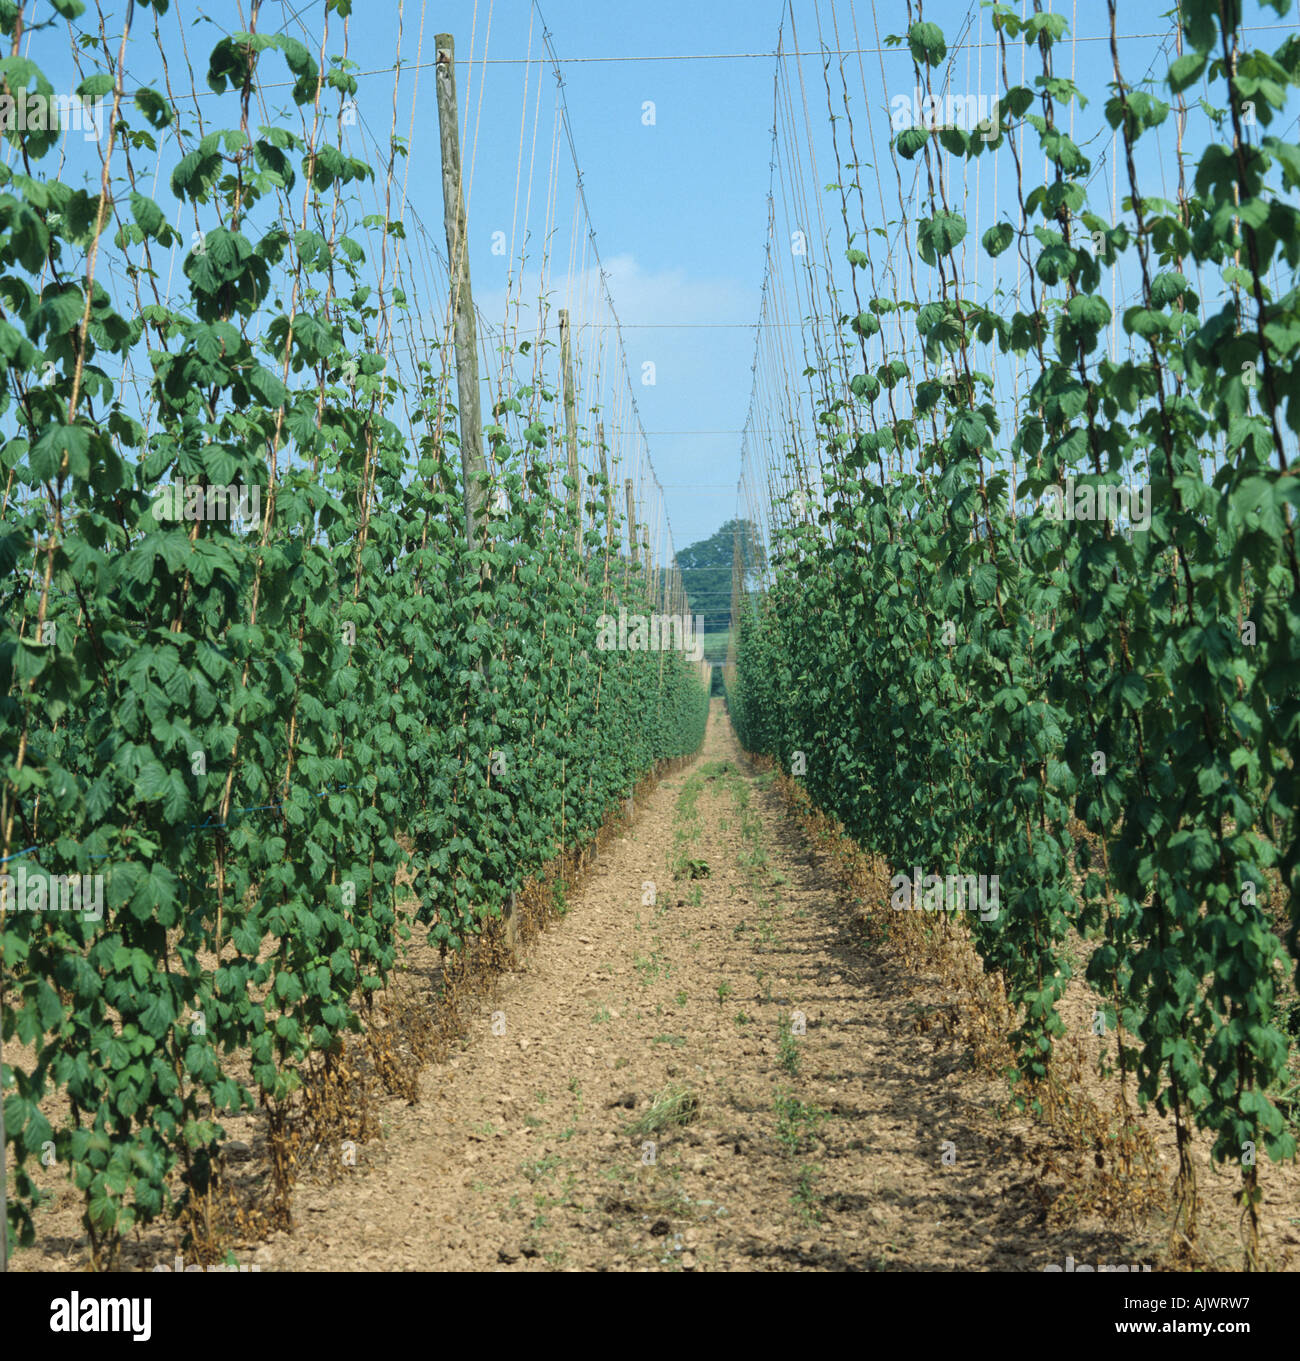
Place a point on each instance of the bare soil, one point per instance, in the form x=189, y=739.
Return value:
x=726, y=1071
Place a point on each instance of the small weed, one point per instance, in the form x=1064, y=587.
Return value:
x=675, y=1105
x=788, y=1055
x=724, y=991
x=535, y=1171
x=796, y=1122
x=649, y=967
x=806, y=1198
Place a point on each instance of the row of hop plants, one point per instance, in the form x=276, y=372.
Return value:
x=249, y=730
x=1103, y=715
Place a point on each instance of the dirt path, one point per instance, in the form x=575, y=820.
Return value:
x=707, y=1065
x=649, y=1103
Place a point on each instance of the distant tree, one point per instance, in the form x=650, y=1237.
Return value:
x=706, y=571
x=716, y=551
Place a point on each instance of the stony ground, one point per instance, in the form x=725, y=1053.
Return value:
x=639, y=1095
x=704, y=1066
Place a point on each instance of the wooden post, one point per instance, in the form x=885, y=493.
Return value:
x=609, y=491
x=627, y=580
x=462, y=300
x=657, y=594
x=470, y=425
x=571, y=426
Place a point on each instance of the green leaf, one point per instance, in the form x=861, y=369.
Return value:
x=61, y=450
x=940, y=235
x=147, y=214
x=926, y=43
x=998, y=238
x=1185, y=71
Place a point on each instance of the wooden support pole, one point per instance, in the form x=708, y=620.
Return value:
x=470, y=424
x=609, y=490
x=627, y=578
x=462, y=300
x=571, y=426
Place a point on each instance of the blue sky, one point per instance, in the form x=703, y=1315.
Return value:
x=679, y=207
x=678, y=204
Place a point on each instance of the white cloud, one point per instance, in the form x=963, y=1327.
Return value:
x=640, y=297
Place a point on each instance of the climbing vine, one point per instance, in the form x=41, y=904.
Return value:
x=242, y=727
x=1099, y=709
